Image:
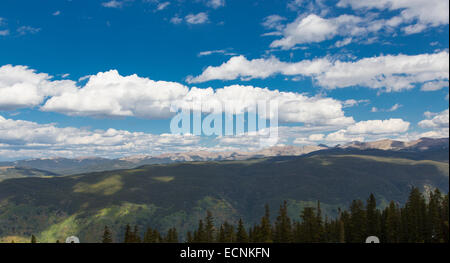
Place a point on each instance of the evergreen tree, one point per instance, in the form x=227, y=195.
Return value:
x=373, y=217
x=107, y=237
x=309, y=229
x=266, y=227
x=200, y=234
x=415, y=217
x=241, y=235
x=444, y=219
x=358, y=221
x=172, y=236
x=229, y=232
x=209, y=228
x=391, y=226
x=283, y=227
x=189, y=237
x=33, y=239
x=433, y=218
x=136, y=236
x=128, y=235
x=341, y=229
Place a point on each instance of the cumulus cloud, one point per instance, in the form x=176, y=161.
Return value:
x=240, y=67
x=292, y=107
x=390, y=72
x=19, y=139
x=109, y=94
x=436, y=121
x=426, y=12
x=390, y=126
x=196, y=19
x=434, y=85
x=369, y=130
x=313, y=28
x=22, y=87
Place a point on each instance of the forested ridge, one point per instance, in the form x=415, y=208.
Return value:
x=423, y=219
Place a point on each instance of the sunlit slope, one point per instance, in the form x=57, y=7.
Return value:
x=178, y=194
x=9, y=172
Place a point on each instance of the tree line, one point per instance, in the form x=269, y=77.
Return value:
x=420, y=220
x=423, y=219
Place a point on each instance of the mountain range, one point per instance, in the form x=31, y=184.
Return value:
x=178, y=193
x=65, y=166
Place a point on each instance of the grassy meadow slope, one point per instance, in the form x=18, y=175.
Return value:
x=178, y=194
x=9, y=172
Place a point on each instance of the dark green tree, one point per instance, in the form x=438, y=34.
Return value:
x=373, y=217
x=241, y=235
x=358, y=222
x=283, y=226
x=107, y=236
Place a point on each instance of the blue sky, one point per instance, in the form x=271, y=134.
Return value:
x=381, y=65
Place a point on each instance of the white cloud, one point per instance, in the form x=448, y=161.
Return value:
x=351, y=103
x=434, y=121
x=4, y=32
x=314, y=28
x=343, y=42
x=21, y=87
x=437, y=122
x=196, y=19
x=391, y=109
x=109, y=94
x=316, y=137
x=113, y=4
x=21, y=139
x=240, y=67
x=218, y=51
x=370, y=130
x=215, y=3
x=426, y=12
x=23, y=30
x=162, y=6
x=306, y=30
x=292, y=107
x=56, y=13
x=176, y=20
x=434, y=85
x=389, y=126
x=389, y=73
x=274, y=22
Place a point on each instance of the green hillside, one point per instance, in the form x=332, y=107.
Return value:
x=9, y=172
x=163, y=196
